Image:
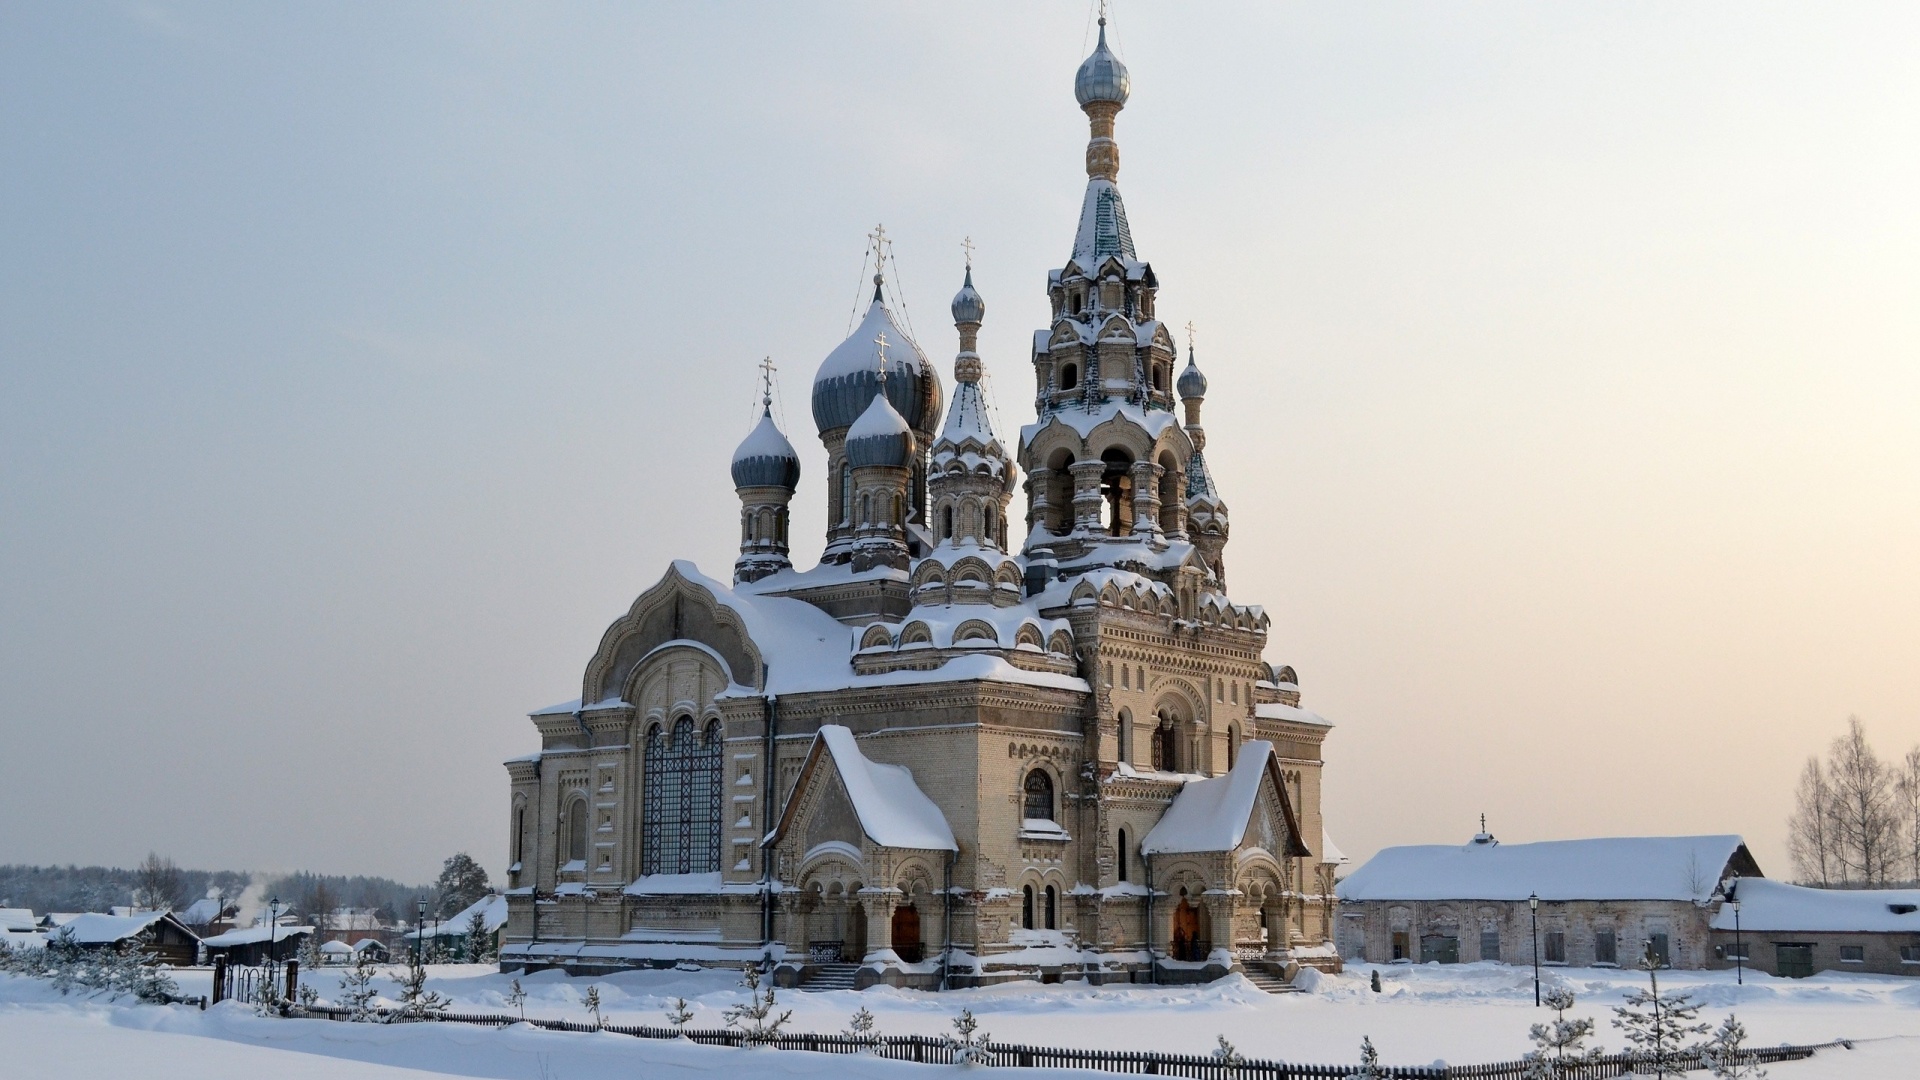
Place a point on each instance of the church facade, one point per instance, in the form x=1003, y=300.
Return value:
x=966, y=746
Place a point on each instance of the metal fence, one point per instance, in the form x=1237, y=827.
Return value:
x=940, y=1051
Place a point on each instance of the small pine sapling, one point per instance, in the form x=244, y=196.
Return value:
x=1369, y=1062
x=1558, y=1045
x=307, y=997
x=592, y=1002
x=416, y=1001
x=861, y=1028
x=356, y=989
x=1656, y=1025
x=517, y=997
x=680, y=1016
x=1726, y=1056
x=755, y=1019
x=1228, y=1057
x=969, y=1043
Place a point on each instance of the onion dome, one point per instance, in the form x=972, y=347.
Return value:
x=880, y=436
x=1191, y=384
x=765, y=458
x=849, y=377
x=1102, y=77
x=967, y=305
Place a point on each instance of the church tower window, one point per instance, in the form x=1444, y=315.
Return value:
x=1069, y=377
x=1039, y=802
x=577, y=831
x=1121, y=861
x=846, y=493
x=681, y=834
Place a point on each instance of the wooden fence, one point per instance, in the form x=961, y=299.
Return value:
x=939, y=1051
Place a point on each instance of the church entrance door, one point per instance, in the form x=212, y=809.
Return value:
x=906, y=934
x=856, y=937
x=1186, y=932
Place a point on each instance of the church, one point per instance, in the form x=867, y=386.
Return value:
x=957, y=751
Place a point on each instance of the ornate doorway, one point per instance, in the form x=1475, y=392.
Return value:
x=906, y=934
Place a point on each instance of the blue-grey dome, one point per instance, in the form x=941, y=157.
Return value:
x=765, y=458
x=967, y=305
x=1102, y=77
x=1192, y=383
x=847, y=381
x=880, y=436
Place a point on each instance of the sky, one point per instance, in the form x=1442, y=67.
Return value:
x=360, y=363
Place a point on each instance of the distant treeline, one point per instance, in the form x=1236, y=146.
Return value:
x=97, y=888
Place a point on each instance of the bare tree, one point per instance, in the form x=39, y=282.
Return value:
x=1809, y=838
x=1906, y=792
x=319, y=904
x=1865, y=822
x=157, y=884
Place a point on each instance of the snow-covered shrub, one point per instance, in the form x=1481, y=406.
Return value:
x=517, y=997
x=592, y=1002
x=680, y=1015
x=968, y=1041
x=1725, y=1054
x=755, y=1019
x=1558, y=1045
x=861, y=1027
x=1227, y=1056
x=1656, y=1025
x=1369, y=1062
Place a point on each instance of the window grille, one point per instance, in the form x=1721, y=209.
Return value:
x=681, y=834
x=1039, y=795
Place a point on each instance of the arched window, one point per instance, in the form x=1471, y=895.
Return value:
x=519, y=833
x=866, y=509
x=1121, y=862
x=846, y=493
x=1126, y=736
x=1233, y=744
x=683, y=793
x=1053, y=908
x=577, y=831
x=1069, y=376
x=946, y=522
x=1166, y=743
x=1026, y=907
x=1039, y=804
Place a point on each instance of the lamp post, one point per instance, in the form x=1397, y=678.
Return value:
x=273, y=939
x=419, y=929
x=1739, y=944
x=1533, y=907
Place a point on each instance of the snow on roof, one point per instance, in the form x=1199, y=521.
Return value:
x=1603, y=868
x=1212, y=814
x=1274, y=710
x=1329, y=854
x=893, y=811
x=365, y=944
x=252, y=934
x=492, y=908
x=1777, y=907
x=336, y=948
x=1083, y=421
x=17, y=918
x=96, y=929
x=706, y=884
x=200, y=912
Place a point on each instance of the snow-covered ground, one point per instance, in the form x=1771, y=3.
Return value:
x=1464, y=1014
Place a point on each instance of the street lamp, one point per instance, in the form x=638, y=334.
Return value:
x=1533, y=906
x=419, y=928
x=273, y=939
x=1739, y=945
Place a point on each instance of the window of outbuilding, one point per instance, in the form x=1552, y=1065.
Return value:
x=1853, y=954
x=1606, y=948
x=1554, y=947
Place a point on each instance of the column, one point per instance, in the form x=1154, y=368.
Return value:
x=1146, y=498
x=1086, y=495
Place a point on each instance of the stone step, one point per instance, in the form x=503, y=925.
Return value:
x=1271, y=983
x=830, y=977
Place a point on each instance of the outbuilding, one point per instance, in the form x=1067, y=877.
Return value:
x=257, y=945
x=156, y=933
x=1794, y=931
x=1601, y=902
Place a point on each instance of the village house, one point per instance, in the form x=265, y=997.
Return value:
x=1795, y=931
x=255, y=945
x=1600, y=902
x=157, y=933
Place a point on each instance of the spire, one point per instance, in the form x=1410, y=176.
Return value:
x=972, y=475
x=1102, y=86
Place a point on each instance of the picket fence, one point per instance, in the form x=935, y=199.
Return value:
x=938, y=1051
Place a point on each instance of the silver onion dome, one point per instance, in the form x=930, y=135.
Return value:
x=1191, y=384
x=880, y=436
x=765, y=458
x=848, y=377
x=1102, y=77
x=967, y=305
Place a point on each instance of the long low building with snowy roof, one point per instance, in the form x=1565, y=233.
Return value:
x=1795, y=931
x=1600, y=902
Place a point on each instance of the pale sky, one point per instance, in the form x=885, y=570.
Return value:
x=360, y=363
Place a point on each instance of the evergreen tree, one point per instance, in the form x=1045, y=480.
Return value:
x=356, y=988
x=592, y=1002
x=1656, y=1025
x=1558, y=1045
x=862, y=1028
x=517, y=997
x=1228, y=1056
x=1369, y=1062
x=416, y=1001
x=755, y=1018
x=968, y=1041
x=1726, y=1056
x=680, y=1015
x=479, y=945
x=462, y=883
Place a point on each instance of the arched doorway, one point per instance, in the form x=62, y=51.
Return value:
x=906, y=934
x=855, y=949
x=1184, y=943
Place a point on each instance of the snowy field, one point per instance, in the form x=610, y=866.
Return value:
x=1463, y=1014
